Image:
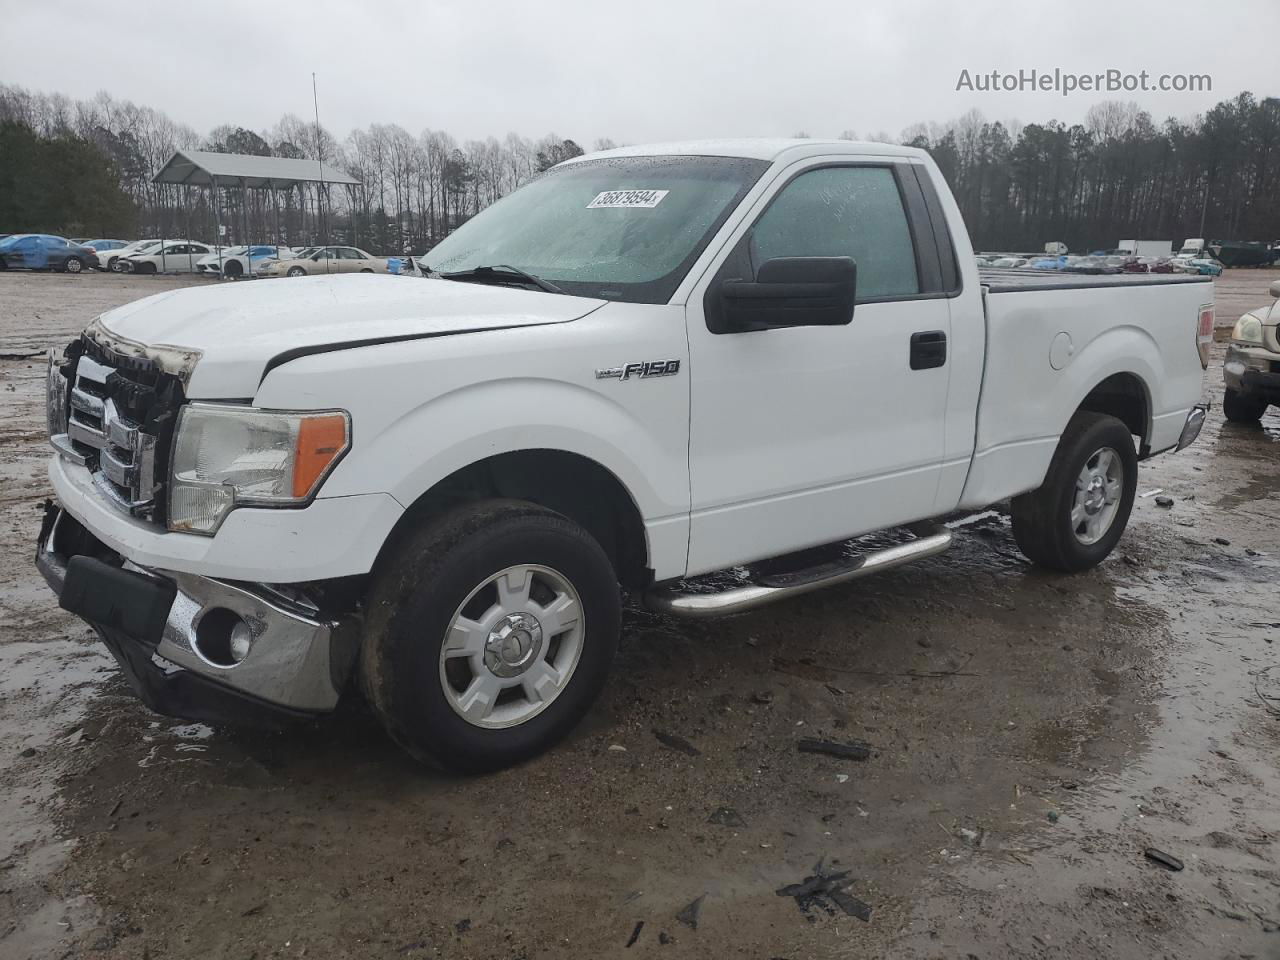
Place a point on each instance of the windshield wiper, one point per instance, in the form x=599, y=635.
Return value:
x=499, y=273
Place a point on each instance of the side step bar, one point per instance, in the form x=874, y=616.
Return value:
x=671, y=601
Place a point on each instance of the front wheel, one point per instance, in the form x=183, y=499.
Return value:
x=490, y=633
x=73, y=265
x=1241, y=408
x=1077, y=516
x=296, y=272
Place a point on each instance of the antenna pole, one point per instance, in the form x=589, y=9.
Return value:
x=315, y=100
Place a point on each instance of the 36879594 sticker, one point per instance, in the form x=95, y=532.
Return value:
x=643, y=199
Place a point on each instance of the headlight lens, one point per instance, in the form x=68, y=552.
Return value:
x=1248, y=329
x=227, y=456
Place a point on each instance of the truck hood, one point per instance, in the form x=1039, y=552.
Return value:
x=234, y=332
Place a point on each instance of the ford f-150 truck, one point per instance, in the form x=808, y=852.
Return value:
x=648, y=364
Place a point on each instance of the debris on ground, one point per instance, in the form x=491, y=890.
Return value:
x=680, y=744
x=689, y=915
x=826, y=891
x=1053, y=816
x=28, y=752
x=854, y=750
x=1164, y=501
x=617, y=748
x=635, y=934
x=1151, y=493
x=763, y=697
x=1164, y=859
x=1222, y=541
x=973, y=838
x=463, y=925
x=664, y=938
x=726, y=817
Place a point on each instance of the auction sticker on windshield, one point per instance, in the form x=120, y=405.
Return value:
x=627, y=198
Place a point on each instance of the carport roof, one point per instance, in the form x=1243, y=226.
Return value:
x=204, y=169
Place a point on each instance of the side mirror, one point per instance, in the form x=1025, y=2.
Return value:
x=792, y=292
x=1275, y=288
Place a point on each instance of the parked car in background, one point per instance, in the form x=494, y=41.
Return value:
x=236, y=262
x=41, y=251
x=171, y=256
x=1251, y=370
x=104, y=246
x=266, y=267
x=1205, y=266
x=329, y=260
x=111, y=259
x=1010, y=262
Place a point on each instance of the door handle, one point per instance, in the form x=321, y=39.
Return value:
x=928, y=349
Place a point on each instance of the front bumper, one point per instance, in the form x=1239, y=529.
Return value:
x=1252, y=370
x=153, y=622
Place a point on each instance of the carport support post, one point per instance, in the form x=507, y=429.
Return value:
x=217, y=223
x=275, y=206
x=244, y=211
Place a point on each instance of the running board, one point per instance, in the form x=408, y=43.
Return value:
x=670, y=600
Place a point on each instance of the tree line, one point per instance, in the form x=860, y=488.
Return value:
x=85, y=166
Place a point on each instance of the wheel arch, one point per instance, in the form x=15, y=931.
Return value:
x=571, y=484
x=1126, y=397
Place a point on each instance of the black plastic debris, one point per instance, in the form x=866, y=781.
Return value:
x=1164, y=502
x=1162, y=858
x=463, y=925
x=635, y=934
x=855, y=750
x=726, y=817
x=672, y=742
x=826, y=891
x=689, y=915
x=664, y=938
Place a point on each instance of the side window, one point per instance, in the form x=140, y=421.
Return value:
x=351, y=253
x=843, y=212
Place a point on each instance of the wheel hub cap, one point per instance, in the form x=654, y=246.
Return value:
x=1098, y=492
x=513, y=644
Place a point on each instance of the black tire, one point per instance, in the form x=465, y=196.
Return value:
x=73, y=265
x=1242, y=408
x=296, y=272
x=233, y=269
x=366, y=270
x=1042, y=522
x=3, y=264
x=420, y=583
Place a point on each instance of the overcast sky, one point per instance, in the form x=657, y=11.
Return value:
x=635, y=72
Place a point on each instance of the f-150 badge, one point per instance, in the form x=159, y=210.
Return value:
x=641, y=371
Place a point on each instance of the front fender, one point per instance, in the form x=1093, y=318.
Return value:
x=422, y=410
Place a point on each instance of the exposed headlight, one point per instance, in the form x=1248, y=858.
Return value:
x=228, y=456
x=1248, y=329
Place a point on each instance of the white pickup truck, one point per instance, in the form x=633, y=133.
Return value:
x=649, y=364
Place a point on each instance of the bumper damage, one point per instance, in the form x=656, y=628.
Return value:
x=170, y=633
x=1195, y=423
x=1254, y=371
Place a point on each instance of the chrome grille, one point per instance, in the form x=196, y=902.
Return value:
x=118, y=451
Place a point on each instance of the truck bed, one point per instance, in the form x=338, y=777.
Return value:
x=1020, y=280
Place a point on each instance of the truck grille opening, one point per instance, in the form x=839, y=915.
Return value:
x=119, y=412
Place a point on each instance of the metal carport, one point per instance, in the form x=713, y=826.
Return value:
x=200, y=168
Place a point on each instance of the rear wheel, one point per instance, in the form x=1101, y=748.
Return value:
x=366, y=270
x=1080, y=511
x=490, y=634
x=233, y=269
x=1241, y=408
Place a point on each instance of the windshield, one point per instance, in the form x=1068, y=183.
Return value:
x=625, y=228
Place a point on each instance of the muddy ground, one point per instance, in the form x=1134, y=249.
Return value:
x=1032, y=735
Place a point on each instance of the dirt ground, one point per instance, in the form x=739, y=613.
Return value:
x=1032, y=735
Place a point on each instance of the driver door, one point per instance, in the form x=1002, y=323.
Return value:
x=805, y=435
